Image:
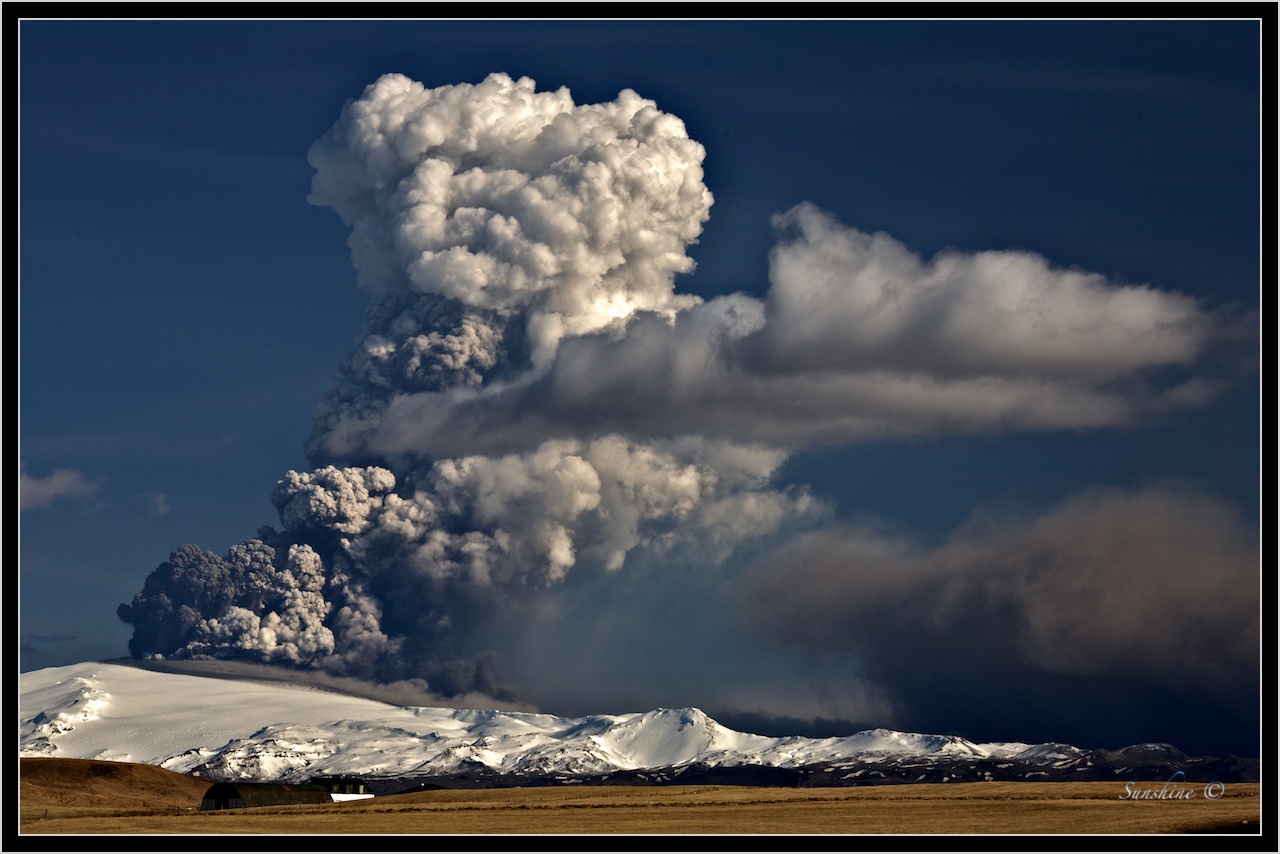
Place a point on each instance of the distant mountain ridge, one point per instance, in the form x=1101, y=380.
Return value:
x=227, y=729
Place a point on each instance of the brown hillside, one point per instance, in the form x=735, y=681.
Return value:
x=93, y=783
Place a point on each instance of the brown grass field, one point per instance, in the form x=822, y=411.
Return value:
x=73, y=796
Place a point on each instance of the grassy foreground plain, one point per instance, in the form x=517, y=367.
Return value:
x=63, y=796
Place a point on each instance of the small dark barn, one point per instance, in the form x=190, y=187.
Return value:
x=234, y=796
x=342, y=788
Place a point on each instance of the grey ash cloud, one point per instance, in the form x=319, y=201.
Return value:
x=1156, y=589
x=490, y=223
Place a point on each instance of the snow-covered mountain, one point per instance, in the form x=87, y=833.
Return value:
x=237, y=729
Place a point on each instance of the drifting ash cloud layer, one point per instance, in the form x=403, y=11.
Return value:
x=857, y=339
x=1157, y=587
x=531, y=401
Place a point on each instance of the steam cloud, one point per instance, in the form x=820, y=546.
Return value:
x=530, y=400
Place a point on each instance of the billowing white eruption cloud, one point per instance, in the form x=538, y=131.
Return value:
x=531, y=402
x=491, y=221
x=34, y=492
x=505, y=198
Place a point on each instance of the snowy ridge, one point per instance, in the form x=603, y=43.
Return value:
x=80, y=701
x=232, y=729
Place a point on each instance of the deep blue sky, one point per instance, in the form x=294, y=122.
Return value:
x=182, y=306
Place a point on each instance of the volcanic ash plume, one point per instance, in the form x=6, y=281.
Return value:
x=489, y=223
x=534, y=429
